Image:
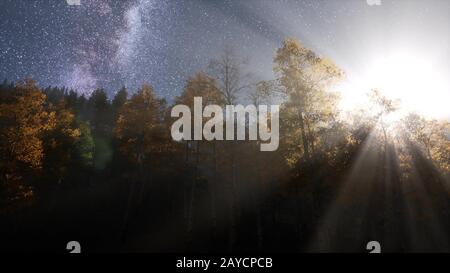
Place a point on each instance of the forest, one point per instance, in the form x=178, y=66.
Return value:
x=105, y=171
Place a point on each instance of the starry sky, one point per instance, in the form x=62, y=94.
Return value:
x=109, y=44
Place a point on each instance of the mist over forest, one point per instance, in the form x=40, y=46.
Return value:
x=107, y=171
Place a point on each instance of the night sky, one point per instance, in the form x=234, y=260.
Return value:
x=114, y=43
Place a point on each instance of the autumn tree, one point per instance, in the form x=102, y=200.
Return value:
x=59, y=141
x=24, y=120
x=139, y=126
x=261, y=93
x=142, y=136
x=382, y=108
x=201, y=85
x=232, y=80
x=430, y=137
x=305, y=78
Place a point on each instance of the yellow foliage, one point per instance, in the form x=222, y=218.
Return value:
x=28, y=120
x=310, y=108
x=139, y=125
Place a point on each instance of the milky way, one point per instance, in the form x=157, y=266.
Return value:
x=110, y=44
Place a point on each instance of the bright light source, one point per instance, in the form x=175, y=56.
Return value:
x=407, y=76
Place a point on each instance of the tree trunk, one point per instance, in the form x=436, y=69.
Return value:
x=311, y=138
x=185, y=198
x=304, y=138
x=186, y=152
x=192, y=195
x=128, y=209
x=259, y=189
x=213, y=192
x=143, y=178
x=233, y=206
